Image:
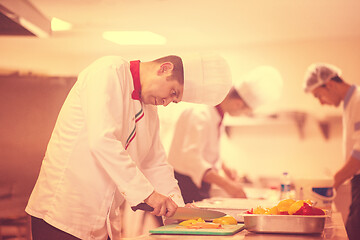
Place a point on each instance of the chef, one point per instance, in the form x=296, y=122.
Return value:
x=194, y=151
x=105, y=146
x=325, y=83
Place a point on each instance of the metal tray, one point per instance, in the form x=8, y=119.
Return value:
x=295, y=224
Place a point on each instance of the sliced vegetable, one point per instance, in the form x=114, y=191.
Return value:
x=191, y=222
x=226, y=220
x=204, y=225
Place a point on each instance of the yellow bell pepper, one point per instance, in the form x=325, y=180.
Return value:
x=190, y=222
x=226, y=220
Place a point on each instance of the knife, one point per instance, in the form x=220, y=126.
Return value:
x=184, y=213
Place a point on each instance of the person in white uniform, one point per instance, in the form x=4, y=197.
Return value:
x=325, y=83
x=194, y=151
x=105, y=146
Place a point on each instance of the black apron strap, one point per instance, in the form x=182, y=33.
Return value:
x=353, y=220
x=189, y=191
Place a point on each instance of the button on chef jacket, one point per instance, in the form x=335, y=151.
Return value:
x=196, y=142
x=351, y=124
x=104, y=143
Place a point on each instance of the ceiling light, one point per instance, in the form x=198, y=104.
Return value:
x=134, y=37
x=60, y=25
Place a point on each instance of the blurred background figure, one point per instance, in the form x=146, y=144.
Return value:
x=325, y=83
x=194, y=151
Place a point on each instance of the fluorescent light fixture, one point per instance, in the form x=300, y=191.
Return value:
x=60, y=25
x=35, y=29
x=25, y=16
x=134, y=37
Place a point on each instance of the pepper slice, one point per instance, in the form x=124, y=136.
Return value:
x=226, y=220
x=204, y=225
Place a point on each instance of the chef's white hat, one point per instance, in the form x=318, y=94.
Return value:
x=207, y=78
x=260, y=86
x=318, y=74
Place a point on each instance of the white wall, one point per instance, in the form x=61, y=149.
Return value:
x=292, y=58
x=270, y=148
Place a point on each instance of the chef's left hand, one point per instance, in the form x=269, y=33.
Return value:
x=191, y=205
x=235, y=190
x=230, y=172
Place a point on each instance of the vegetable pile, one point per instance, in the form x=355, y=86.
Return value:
x=289, y=207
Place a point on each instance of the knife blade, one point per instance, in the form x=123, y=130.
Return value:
x=184, y=213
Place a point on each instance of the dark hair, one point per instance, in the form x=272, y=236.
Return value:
x=234, y=94
x=178, y=71
x=337, y=79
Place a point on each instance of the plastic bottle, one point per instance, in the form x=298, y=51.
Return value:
x=285, y=191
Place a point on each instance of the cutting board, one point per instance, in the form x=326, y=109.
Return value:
x=177, y=229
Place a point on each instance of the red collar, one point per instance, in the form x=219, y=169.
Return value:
x=221, y=112
x=135, y=72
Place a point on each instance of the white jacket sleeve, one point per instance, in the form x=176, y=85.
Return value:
x=103, y=99
x=353, y=116
x=159, y=172
x=188, y=145
x=356, y=138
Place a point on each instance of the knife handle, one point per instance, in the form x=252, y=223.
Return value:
x=143, y=206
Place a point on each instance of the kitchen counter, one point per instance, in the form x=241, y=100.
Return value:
x=334, y=230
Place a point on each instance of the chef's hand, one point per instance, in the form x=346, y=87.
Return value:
x=230, y=172
x=163, y=205
x=191, y=205
x=235, y=190
x=168, y=221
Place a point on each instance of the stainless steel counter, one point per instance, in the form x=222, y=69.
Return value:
x=334, y=230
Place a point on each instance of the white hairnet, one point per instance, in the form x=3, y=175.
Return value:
x=207, y=78
x=319, y=73
x=260, y=86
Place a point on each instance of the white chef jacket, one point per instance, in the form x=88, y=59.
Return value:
x=86, y=163
x=351, y=124
x=195, y=147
